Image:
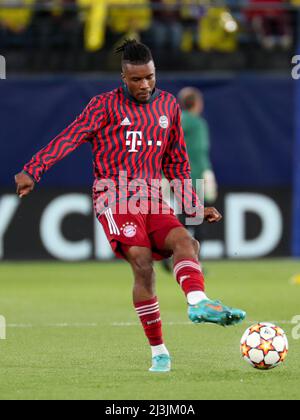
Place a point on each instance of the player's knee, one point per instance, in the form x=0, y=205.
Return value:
x=196, y=245
x=144, y=268
x=187, y=247
x=195, y=248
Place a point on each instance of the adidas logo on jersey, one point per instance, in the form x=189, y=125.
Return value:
x=125, y=122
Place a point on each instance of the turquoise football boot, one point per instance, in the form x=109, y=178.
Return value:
x=213, y=311
x=161, y=363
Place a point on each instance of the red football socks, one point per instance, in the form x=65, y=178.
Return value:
x=189, y=276
x=149, y=314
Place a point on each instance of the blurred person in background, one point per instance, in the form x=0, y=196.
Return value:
x=57, y=35
x=93, y=15
x=218, y=31
x=129, y=21
x=116, y=19
x=16, y=19
x=166, y=30
x=271, y=24
x=14, y=22
x=191, y=15
x=65, y=23
x=197, y=137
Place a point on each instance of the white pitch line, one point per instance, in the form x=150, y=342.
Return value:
x=61, y=325
x=120, y=324
x=133, y=324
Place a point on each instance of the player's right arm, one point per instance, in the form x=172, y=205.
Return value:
x=79, y=132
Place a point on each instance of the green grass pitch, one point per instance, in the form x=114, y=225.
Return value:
x=72, y=333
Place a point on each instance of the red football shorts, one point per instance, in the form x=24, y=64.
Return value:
x=143, y=229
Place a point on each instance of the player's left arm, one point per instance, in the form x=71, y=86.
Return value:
x=176, y=165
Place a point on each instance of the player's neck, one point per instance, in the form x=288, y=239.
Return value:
x=128, y=95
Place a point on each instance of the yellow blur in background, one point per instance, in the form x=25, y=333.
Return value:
x=123, y=19
x=16, y=19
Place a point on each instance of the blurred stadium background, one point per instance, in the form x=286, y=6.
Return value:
x=243, y=56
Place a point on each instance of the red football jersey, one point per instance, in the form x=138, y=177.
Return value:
x=140, y=140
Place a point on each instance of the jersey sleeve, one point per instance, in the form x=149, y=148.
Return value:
x=176, y=166
x=81, y=131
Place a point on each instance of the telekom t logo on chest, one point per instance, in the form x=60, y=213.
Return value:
x=135, y=139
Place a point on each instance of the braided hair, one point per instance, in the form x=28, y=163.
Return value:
x=134, y=52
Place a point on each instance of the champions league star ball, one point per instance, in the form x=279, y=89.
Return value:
x=264, y=346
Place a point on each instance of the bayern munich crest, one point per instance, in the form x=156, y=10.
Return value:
x=129, y=230
x=164, y=121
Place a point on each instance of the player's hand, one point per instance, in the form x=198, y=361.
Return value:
x=211, y=215
x=24, y=183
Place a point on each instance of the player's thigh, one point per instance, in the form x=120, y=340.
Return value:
x=159, y=227
x=124, y=231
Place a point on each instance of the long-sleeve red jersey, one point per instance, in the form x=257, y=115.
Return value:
x=142, y=140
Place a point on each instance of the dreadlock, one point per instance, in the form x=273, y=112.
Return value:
x=134, y=52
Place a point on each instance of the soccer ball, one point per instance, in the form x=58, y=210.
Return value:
x=264, y=346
